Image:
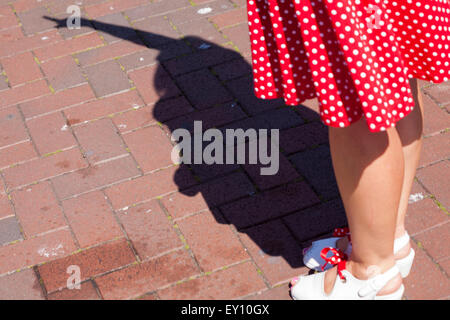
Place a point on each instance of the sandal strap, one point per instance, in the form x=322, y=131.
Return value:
x=401, y=242
x=375, y=284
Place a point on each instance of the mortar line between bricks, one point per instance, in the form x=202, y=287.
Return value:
x=41, y=281
x=28, y=131
x=96, y=288
x=434, y=163
x=436, y=264
x=122, y=228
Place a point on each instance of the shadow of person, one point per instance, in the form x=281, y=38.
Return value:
x=275, y=215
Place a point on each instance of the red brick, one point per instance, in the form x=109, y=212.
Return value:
x=436, y=241
x=99, y=140
x=426, y=281
x=60, y=6
x=435, y=148
x=201, y=31
x=103, y=107
x=445, y=264
x=36, y=250
x=208, y=235
x=149, y=229
x=22, y=285
x=44, y=168
x=278, y=293
x=151, y=147
x=117, y=49
x=92, y=262
x=5, y=206
x=63, y=73
x=435, y=119
x=274, y=251
x=50, y=133
x=57, y=101
x=423, y=215
x=12, y=128
x=91, y=219
x=139, y=279
x=23, y=93
x=37, y=209
x=12, y=34
x=140, y=59
x=115, y=27
x=433, y=178
x=180, y=205
x=239, y=36
x=231, y=283
x=149, y=296
x=229, y=18
x=7, y=17
x=16, y=153
x=25, y=5
x=150, y=80
x=86, y=292
x=156, y=8
x=134, y=119
x=34, y=21
x=113, y=6
x=95, y=177
x=190, y=13
x=107, y=78
x=438, y=92
x=40, y=40
x=146, y=187
x=66, y=47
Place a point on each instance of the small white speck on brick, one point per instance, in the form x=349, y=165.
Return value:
x=415, y=197
x=64, y=127
x=44, y=38
x=204, y=10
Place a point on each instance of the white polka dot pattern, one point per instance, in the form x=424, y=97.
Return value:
x=355, y=56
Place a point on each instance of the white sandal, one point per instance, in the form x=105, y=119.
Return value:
x=346, y=287
x=313, y=260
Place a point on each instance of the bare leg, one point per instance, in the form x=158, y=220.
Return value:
x=369, y=169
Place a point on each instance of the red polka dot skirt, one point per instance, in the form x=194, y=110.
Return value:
x=354, y=56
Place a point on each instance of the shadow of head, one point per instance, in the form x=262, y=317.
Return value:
x=201, y=84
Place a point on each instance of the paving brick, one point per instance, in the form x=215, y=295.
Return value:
x=12, y=34
x=439, y=92
x=435, y=119
x=229, y=18
x=426, y=281
x=37, y=209
x=57, y=101
x=309, y=110
x=25, y=5
x=203, y=30
x=200, y=60
x=242, y=89
x=423, y=215
x=148, y=228
x=107, y=78
x=435, y=148
x=149, y=186
x=303, y=137
x=436, y=241
x=113, y=6
x=180, y=205
x=66, y=47
x=85, y=25
x=234, y=282
x=33, y=20
x=445, y=265
x=156, y=8
x=285, y=173
x=17, y=46
x=232, y=69
x=86, y=292
x=12, y=129
x=153, y=83
x=156, y=31
x=221, y=242
x=21, y=68
x=139, y=279
x=99, y=140
x=139, y=59
x=7, y=17
x=270, y=204
x=63, y=73
x=5, y=206
x=16, y=153
x=114, y=27
x=278, y=293
x=23, y=93
x=203, y=89
x=60, y=6
x=433, y=178
x=43, y=168
x=316, y=166
x=103, y=107
x=92, y=262
x=94, y=177
x=91, y=219
x=313, y=222
x=239, y=36
x=9, y=230
x=50, y=133
x=189, y=14
x=151, y=148
x=149, y=296
x=117, y=49
x=274, y=251
x=22, y=285
x=36, y=250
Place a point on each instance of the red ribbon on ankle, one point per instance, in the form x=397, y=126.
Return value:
x=342, y=232
x=338, y=258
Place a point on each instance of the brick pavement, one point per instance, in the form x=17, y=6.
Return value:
x=87, y=179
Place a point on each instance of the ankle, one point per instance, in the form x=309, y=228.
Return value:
x=400, y=231
x=363, y=270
